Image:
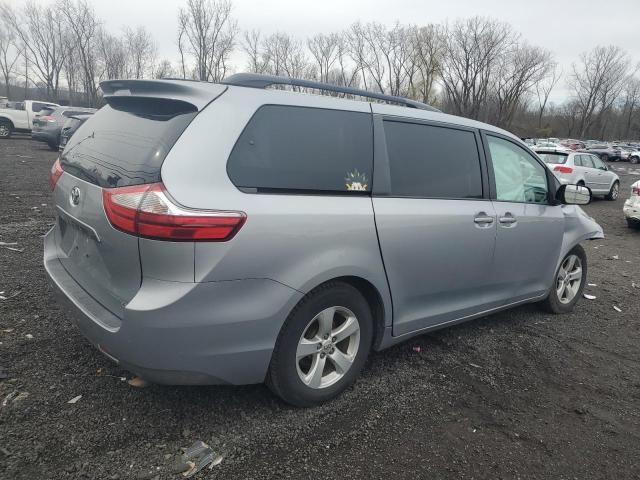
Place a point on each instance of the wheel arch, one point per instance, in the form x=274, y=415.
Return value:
x=380, y=310
x=4, y=119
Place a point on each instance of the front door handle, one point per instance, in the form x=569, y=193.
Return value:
x=508, y=219
x=483, y=220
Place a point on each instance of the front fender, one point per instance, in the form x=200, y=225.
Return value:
x=578, y=227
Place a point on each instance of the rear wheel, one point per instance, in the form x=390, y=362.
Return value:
x=613, y=193
x=634, y=159
x=5, y=129
x=569, y=282
x=53, y=146
x=323, y=345
x=604, y=157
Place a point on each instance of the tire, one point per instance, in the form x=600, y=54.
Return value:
x=634, y=160
x=604, y=157
x=632, y=224
x=614, y=192
x=53, y=146
x=291, y=377
x=6, y=129
x=558, y=300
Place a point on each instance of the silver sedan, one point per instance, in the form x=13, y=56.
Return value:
x=582, y=169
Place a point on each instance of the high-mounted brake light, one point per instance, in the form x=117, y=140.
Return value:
x=561, y=169
x=55, y=174
x=147, y=211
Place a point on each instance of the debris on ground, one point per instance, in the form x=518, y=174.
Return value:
x=3, y=373
x=417, y=349
x=75, y=399
x=138, y=382
x=615, y=257
x=617, y=309
x=197, y=457
x=589, y=297
x=14, y=397
x=29, y=336
x=474, y=365
x=592, y=284
x=2, y=297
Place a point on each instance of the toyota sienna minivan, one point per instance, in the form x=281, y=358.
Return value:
x=234, y=233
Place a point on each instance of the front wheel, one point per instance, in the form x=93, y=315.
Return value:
x=569, y=282
x=634, y=160
x=613, y=193
x=604, y=157
x=5, y=129
x=323, y=345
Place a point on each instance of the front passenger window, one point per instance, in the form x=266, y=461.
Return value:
x=518, y=176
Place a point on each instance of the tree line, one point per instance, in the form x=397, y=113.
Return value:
x=476, y=67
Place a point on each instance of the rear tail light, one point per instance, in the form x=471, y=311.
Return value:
x=635, y=189
x=561, y=169
x=55, y=174
x=47, y=118
x=147, y=211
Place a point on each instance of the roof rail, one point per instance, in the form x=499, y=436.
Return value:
x=256, y=80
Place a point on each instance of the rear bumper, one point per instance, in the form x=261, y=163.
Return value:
x=631, y=210
x=183, y=333
x=44, y=136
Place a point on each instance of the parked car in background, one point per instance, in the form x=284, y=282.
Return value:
x=233, y=233
x=47, y=128
x=583, y=169
x=572, y=144
x=625, y=152
x=634, y=156
x=605, y=152
x=550, y=145
x=71, y=125
x=631, y=208
x=19, y=116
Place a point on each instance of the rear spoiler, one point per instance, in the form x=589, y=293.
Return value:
x=197, y=94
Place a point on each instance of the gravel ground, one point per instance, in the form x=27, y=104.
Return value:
x=520, y=394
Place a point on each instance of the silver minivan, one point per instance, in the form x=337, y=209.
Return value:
x=235, y=233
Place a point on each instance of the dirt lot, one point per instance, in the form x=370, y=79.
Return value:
x=521, y=394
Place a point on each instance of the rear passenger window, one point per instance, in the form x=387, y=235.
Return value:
x=432, y=162
x=304, y=149
x=586, y=161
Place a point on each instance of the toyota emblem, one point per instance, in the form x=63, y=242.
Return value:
x=75, y=196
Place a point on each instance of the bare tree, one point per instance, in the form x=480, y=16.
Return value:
x=544, y=88
x=83, y=28
x=597, y=81
x=141, y=51
x=631, y=102
x=283, y=55
x=41, y=30
x=207, y=32
x=164, y=69
x=113, y=55
x=251, y=45
x=429, y=55
x=9, y=55
x=324, y=50
x=520, y=68
x=472, y=50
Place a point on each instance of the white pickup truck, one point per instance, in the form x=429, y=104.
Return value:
x=18, y=116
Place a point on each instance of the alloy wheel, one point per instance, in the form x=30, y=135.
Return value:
x=4, y=131
x=328, y=347
x=569, y=279
x=614, y=192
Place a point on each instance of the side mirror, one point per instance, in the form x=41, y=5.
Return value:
x=574, y=195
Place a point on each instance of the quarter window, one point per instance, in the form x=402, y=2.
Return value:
x=518, y=176
x=301, y=148
x=432, y=162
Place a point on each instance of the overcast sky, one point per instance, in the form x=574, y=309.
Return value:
x=566, y=27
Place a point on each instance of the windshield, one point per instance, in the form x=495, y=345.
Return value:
x=554, y=158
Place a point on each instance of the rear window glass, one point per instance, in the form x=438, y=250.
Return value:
x=554, y=158
x=432, y=162
x=305, y=149
x=126, y=145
